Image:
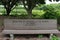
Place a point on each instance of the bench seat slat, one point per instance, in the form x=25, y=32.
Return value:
x=30, y=31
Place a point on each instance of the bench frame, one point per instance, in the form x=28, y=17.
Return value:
x=12, y=32
x=24, y=31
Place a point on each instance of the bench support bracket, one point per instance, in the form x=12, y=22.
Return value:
x=51, y=36
x=11, y=37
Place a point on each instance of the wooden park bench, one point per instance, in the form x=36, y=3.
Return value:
x=30, y=26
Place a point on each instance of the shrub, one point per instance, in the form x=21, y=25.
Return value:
x=54, y=38
x=37, y=13
x=40, y=36
x=51, y=11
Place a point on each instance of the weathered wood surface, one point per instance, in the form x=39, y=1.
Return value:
x=30, y=24
x=30, y=31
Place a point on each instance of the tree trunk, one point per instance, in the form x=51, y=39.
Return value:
x=29, y=14
x=8, y=11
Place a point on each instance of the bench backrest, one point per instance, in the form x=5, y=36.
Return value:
x=30, y=24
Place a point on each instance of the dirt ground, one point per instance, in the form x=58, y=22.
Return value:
x=26, y=37
x=22, y=38
x=31, y=38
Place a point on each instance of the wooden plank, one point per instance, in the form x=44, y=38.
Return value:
x=30, y=31
x=30, y=24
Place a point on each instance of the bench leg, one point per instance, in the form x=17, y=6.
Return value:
x=11, y=37
x=51, y=36
x=1, y=36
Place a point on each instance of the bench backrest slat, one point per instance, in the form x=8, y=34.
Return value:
x=30, y=24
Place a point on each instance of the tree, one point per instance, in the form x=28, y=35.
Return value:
x=8, y=5
x=30, y=4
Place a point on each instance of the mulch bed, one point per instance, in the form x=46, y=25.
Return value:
x=22, y=38
x=25, y=37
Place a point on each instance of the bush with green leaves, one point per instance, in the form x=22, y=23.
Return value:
x=37, y=13
x=52, y=11
x=40, y=36
x=55, y=38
